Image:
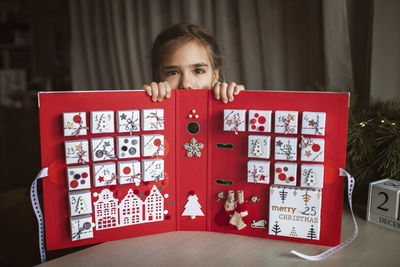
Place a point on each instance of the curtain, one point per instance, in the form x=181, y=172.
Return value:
x=266, y=44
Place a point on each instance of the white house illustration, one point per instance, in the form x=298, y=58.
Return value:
x=131, y=210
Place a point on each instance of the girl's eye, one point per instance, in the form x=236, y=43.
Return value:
x=172, y=72
x=199, y=71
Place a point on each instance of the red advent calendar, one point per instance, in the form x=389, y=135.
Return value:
x=120, y=165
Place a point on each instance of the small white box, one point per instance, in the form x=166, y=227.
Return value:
x=312, y=149
x=75, y=123
x=260, y=121
x=81, y=227
x=313, y=123
x=258, y=171
x=286, y=122
x=104, y=174
x=129, y=172
x=153, y=119
x=152, y=145
x=235, y=120
x=152, y=170
x=78, y=177
x=128, y=146
x=312, y=175
x=76, y=151
x=286, y=148
x=102, y=148
x=285, y=173
x=128, y=121
x=80, y=202
x=102, y=121
x=259, y=146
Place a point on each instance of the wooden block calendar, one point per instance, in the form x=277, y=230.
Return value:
x=120, y=165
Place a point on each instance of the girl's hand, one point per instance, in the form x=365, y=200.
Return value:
x=158, y=91
x=226, y=92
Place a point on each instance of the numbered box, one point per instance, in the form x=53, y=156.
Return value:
x=235, y=120
x=128, y=121
x=128, y=146
x=76, y=152
x=286, y=122
x=152, y=170
x=312, y=149
x=153, y=119
x=80, y=202
x=78, y=177
x=285, y=173
x=152, y=145
x=260, y=121
x=129, y=172
x=75, y=123
x=102, y=122
x=102, y=148
x=313, y=123
x=258, y=171
x=104, y=174
x=312, y=175
x=286, y=148
x=259, y=146
x=385, y=198
x=81, y=227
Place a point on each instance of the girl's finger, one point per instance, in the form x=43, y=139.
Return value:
x=168, y=90
x=217, y=89
x=147, y=88
x=238, y=89
x=229, y=92
x=161, y=91
x=154, y=90
x=223, y=91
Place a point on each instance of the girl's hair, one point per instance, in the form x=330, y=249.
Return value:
x=179, y=34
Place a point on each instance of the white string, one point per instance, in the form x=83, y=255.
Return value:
x=327, y=253
x=36, y=207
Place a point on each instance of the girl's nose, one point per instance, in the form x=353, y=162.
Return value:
x=185, y=83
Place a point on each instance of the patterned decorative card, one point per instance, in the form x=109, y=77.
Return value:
x=128, y=121
x=102, y=148
x=286, y=148
x=76, y=152
x=235, y=120
x=75, y=123
x=128, y=147
x=258, y=171
x=78, y=177
x=313, y=123
x=260, y=121
x=152, y=119
x=259, y=146
x=286, y=122
x=312, y=149
x=101, y=122
x=295, y=212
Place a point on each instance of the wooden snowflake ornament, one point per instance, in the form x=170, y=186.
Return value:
x=193, y=148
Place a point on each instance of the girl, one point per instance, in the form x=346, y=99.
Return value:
x=188, y=57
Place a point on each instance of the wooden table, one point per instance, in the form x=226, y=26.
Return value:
x=374, y=246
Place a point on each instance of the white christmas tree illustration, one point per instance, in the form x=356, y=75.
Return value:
x=257, y=148
x=80, y=206
x=192, y=207
x=310, y=179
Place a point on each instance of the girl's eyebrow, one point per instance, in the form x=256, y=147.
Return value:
x=196, y=65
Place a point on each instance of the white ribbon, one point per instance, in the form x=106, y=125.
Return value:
x=36, y=207
x=327, y=253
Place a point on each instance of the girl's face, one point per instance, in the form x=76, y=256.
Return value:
x=189, y=67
